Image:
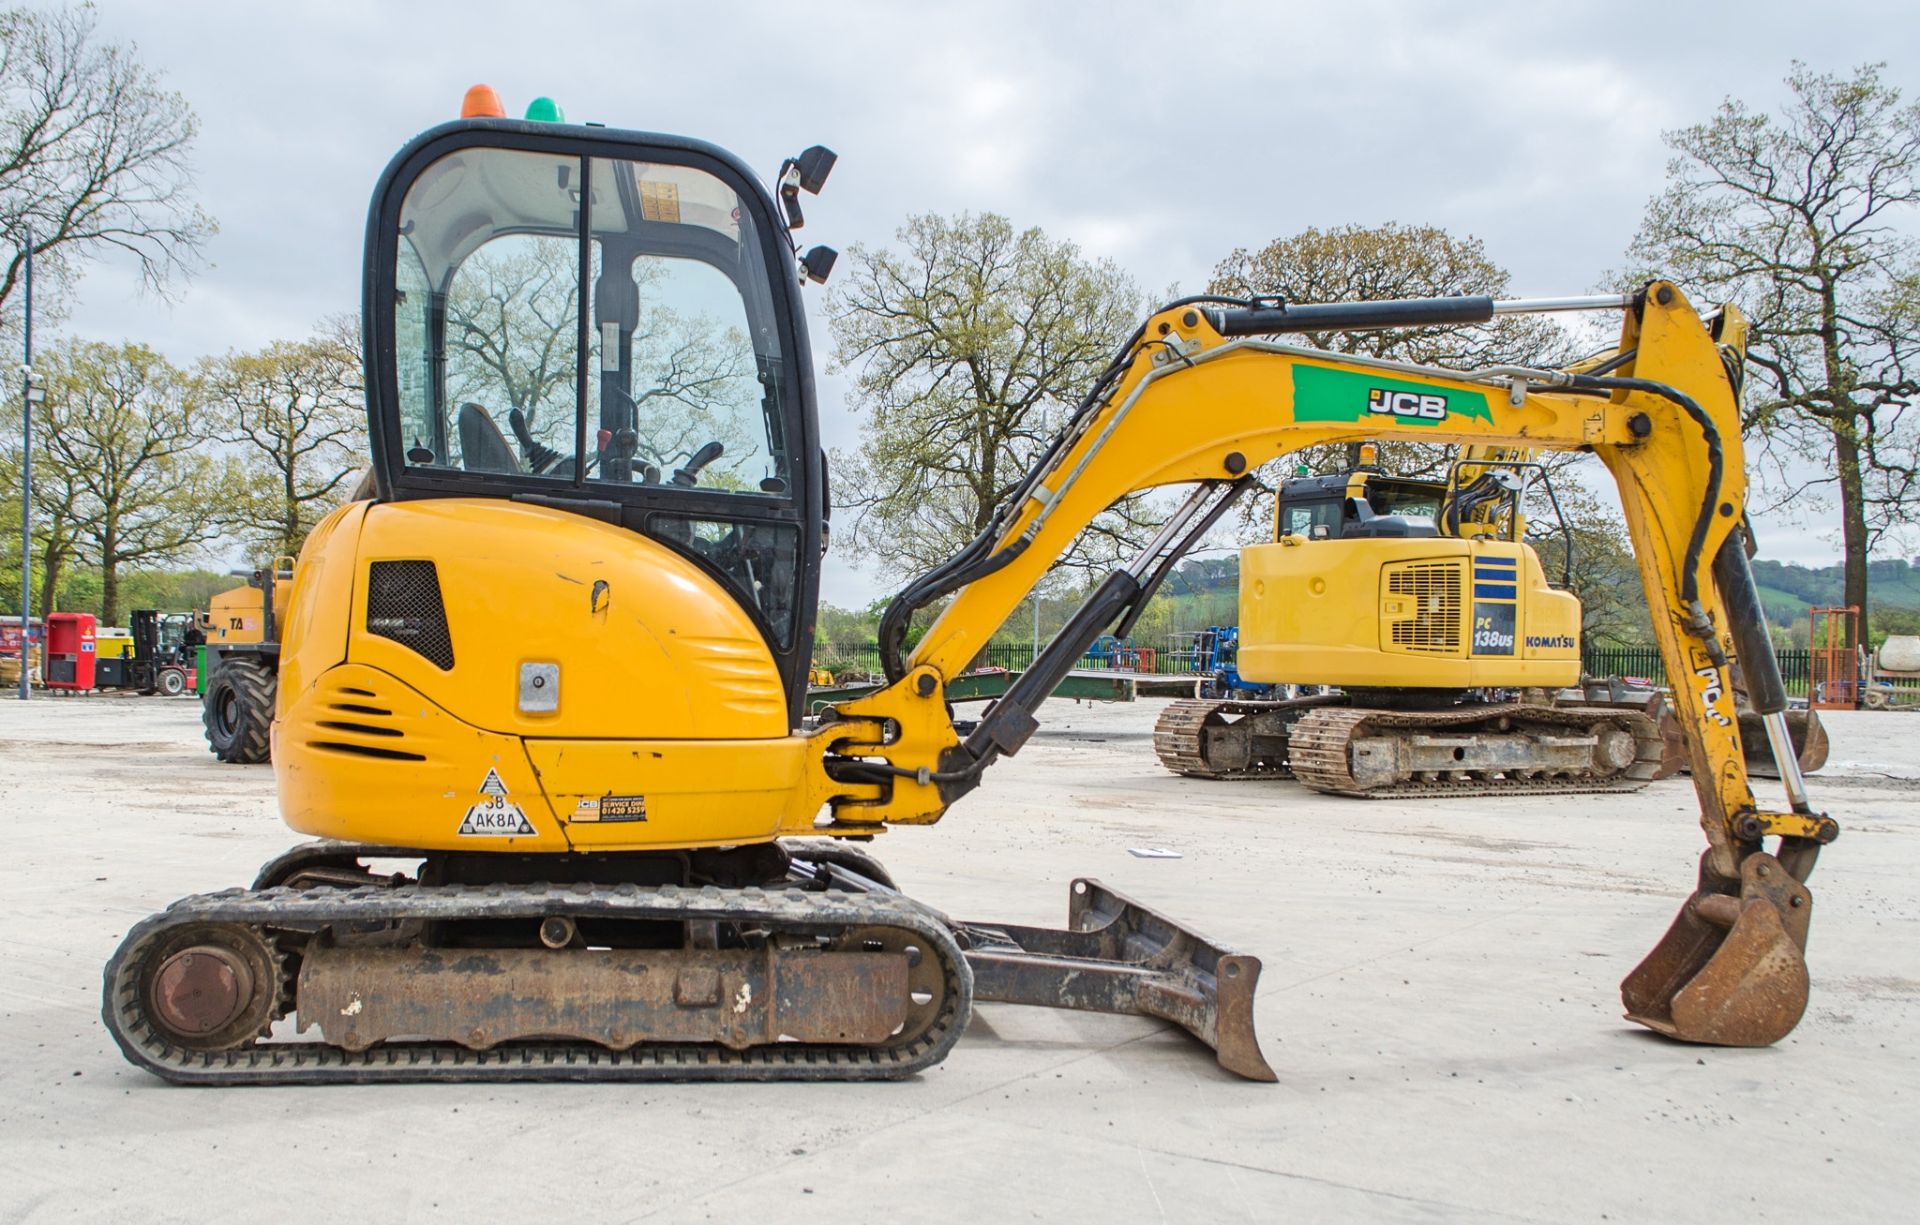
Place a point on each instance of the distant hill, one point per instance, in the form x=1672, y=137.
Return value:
x=1788, y=590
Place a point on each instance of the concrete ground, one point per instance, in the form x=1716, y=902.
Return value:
x=1439, y=999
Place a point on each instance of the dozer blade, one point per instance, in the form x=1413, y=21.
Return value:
x=1119, y=956
x=1732, y=969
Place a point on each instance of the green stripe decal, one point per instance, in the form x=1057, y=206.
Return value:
x=1320, y=394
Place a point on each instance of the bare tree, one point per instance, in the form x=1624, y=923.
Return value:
x=295, y=412
x=123, y=433
x=693, y=381
x=512, y=331
x=94, y=154
x=512, y=327
x=1797, y=216
x=969, y=346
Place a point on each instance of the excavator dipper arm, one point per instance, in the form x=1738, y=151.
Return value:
x=1204, y=393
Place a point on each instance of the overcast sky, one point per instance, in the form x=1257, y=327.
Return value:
x=1160, y=135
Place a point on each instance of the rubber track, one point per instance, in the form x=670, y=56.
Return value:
x=1180, y=734
x=303, y=1062
x=1320, y=757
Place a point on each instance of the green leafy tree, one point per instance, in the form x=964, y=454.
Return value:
x=1805, y=218
x=125, y=446
x=295, y=415
x=1604, y=575
x=55, y=533
x=969, y=342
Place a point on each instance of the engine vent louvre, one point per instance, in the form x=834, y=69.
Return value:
x=403, y=603
x=1435, y=588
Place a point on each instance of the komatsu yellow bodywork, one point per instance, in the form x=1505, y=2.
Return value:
x=1401, y=614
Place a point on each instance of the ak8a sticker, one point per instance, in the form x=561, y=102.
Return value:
x=496, y=815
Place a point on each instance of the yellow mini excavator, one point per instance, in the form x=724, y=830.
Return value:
x=556, y=664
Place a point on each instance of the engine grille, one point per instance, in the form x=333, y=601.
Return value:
x=403, y=603
x=1435, y=589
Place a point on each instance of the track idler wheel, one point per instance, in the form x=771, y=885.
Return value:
x=1732, y=970
x=926, y=977
x=210, y=987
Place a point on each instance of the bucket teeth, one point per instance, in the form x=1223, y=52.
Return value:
x=1732, y=969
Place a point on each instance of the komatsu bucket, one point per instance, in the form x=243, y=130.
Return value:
x=1732, y=969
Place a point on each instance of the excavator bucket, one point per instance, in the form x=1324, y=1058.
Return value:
x=1809, y=735
x=1116, y=955
x=1804, y=728
x=1732, y=969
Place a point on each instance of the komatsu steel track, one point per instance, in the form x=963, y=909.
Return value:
x=1319, y=752
x=1179, y=736
x=286, y=915
x=1316, y=746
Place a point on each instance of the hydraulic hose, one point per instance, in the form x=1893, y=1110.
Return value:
x=1698, y=621
x=975, y=560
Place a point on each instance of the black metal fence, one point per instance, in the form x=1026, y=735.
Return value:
x=1643, y=663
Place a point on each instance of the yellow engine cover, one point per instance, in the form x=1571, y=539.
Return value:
x=659, y=717
x=237, y=616
x=1434, y=613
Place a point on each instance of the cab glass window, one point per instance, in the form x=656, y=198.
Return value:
x=1390, y=500
x=501, y=295
x=1313, y=520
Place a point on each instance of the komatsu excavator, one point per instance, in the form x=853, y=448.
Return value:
x=563, y=689
x=1444, y=659
x=1421, y=605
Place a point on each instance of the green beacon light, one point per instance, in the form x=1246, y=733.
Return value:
x=545, y=110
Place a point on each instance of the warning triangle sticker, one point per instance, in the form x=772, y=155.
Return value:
x=492, y=784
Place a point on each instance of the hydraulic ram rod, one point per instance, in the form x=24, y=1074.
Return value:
x=1394, y=313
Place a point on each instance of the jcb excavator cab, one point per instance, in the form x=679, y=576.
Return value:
x=606, y=323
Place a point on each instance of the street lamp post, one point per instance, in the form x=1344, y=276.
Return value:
x=26, y=474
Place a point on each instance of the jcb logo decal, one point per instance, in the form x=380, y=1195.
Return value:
x=1324, y=394
x=1387, y=403
x=1711, y=693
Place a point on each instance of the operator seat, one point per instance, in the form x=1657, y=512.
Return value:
x=1363, y=524
x=483, y=448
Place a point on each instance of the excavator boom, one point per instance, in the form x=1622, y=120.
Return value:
x=1206, y=392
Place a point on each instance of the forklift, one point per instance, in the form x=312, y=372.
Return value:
x=162, y=661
